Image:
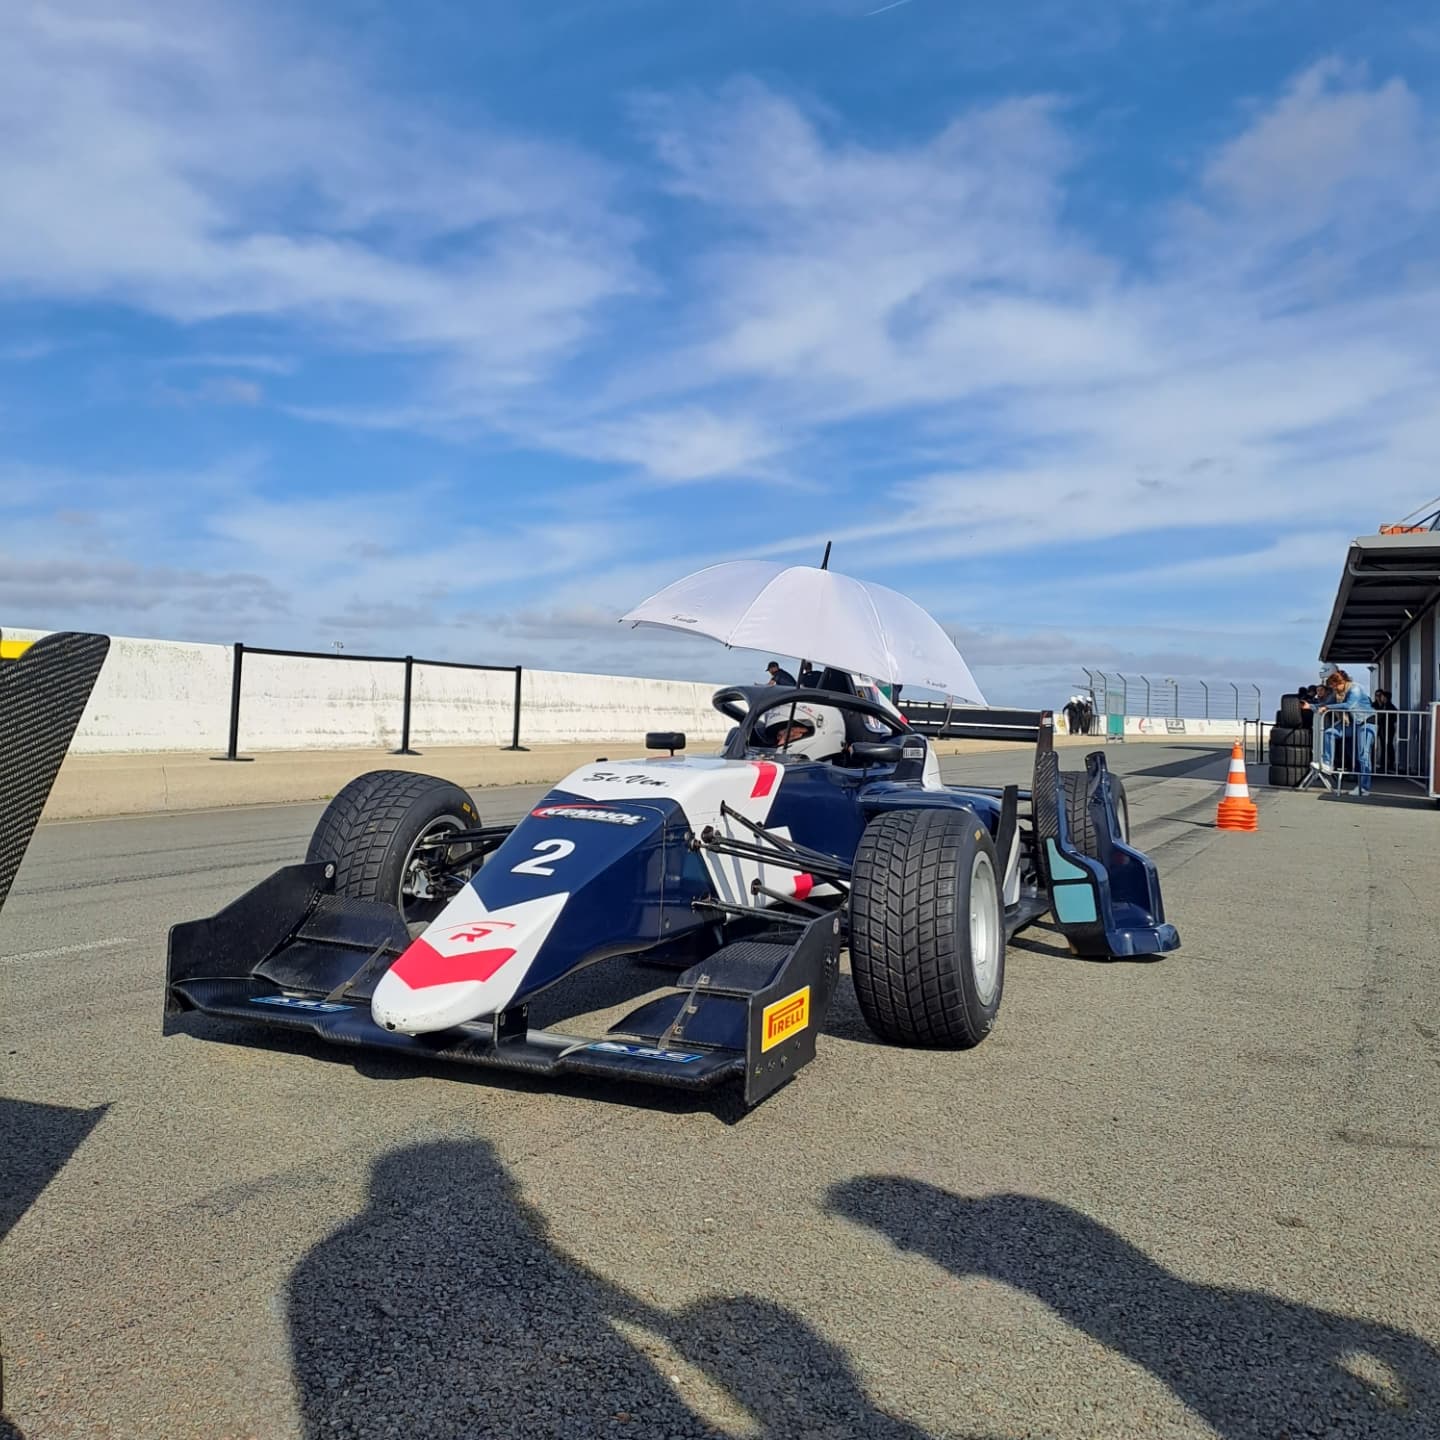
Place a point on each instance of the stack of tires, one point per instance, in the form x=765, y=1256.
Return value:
x=1291, y=743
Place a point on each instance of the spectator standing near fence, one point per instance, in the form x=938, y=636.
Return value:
x=1350, y=714
x=1385, y=730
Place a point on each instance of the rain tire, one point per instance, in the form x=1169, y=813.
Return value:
x=369, y=828
x=1287, y=777
x=1075, y=785
x=1290, y=712
x=913, y=929
x=1294, y=752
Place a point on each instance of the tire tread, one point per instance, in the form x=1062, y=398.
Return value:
x=358, y=825
x=902, y=929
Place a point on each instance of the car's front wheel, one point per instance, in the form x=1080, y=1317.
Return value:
x=385, y=834
x=927, y=928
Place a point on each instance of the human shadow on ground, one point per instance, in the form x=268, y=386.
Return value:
x=443, y=1309
x=1251, y=1364
x=35, y=1140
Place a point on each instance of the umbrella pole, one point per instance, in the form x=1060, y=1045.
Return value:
x=824, y=565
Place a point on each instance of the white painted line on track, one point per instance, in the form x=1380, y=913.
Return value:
x=60, y=950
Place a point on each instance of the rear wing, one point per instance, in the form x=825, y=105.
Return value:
x=973, y=722
x=44, y=688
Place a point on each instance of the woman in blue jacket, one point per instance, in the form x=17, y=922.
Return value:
x=1357, y=723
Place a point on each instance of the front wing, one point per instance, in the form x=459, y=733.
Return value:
x=293, y=954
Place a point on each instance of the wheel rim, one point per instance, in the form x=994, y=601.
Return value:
x=984, y=928
x=417, y=905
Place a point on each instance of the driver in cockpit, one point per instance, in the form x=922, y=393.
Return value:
x=812, y=732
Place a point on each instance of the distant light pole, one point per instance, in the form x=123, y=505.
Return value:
x=1175, y=686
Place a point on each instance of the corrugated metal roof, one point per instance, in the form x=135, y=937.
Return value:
x=1389, y=581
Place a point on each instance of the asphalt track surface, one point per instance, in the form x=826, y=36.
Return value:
x=1191, y=1197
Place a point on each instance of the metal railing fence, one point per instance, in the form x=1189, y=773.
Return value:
x=1255, y=736
x=232, y=751
x=1114, y=693
x=1367, y=746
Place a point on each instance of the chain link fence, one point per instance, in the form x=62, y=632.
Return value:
x=1115, y=694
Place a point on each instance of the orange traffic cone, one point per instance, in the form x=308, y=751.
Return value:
x=1237, y=810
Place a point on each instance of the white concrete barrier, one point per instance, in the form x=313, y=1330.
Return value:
x=154, y=695
x=1153, y=726
x=1205, y=729
x=160, y=695
x=561, y=705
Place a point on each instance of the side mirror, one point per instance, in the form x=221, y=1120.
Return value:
x=878, y=752
x=671, y=740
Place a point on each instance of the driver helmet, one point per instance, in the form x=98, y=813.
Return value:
x=816, y=732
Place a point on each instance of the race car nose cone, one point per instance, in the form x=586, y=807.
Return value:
x=468, y=965
x=395, y=1006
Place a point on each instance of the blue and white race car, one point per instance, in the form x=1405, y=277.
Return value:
x=822, y=826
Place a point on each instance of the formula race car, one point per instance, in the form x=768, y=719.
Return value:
x=822, y=825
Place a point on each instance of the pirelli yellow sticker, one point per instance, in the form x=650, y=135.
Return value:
x=14, y=649
x=784, y=1018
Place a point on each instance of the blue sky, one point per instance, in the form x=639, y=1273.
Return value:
x=457, y=328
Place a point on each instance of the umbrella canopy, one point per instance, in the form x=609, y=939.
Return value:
x=820, y=614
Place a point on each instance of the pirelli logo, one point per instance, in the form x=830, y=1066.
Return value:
x=784, y=1018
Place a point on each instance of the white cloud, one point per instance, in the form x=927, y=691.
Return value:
x=1333, y=151
x=193, y=161
x=1253, y=367
x=879, y=278
x=921, y=323
x=688, y=443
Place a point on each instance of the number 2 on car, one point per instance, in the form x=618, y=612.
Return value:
x=542, y=862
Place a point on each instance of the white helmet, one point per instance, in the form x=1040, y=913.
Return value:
x=818, y=731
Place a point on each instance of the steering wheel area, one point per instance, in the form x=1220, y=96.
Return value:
x=745, y=704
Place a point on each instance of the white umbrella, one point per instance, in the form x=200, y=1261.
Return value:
x=820, y=614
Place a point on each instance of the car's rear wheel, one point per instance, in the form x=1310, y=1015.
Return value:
x=927, y=929
x=1081, y=826
x=381, y=832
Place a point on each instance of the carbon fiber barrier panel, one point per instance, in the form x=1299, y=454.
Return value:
x=1045, y=796
x=42, y=697
x=971, y=722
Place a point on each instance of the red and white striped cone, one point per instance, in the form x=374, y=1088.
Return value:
x=1237, y=810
